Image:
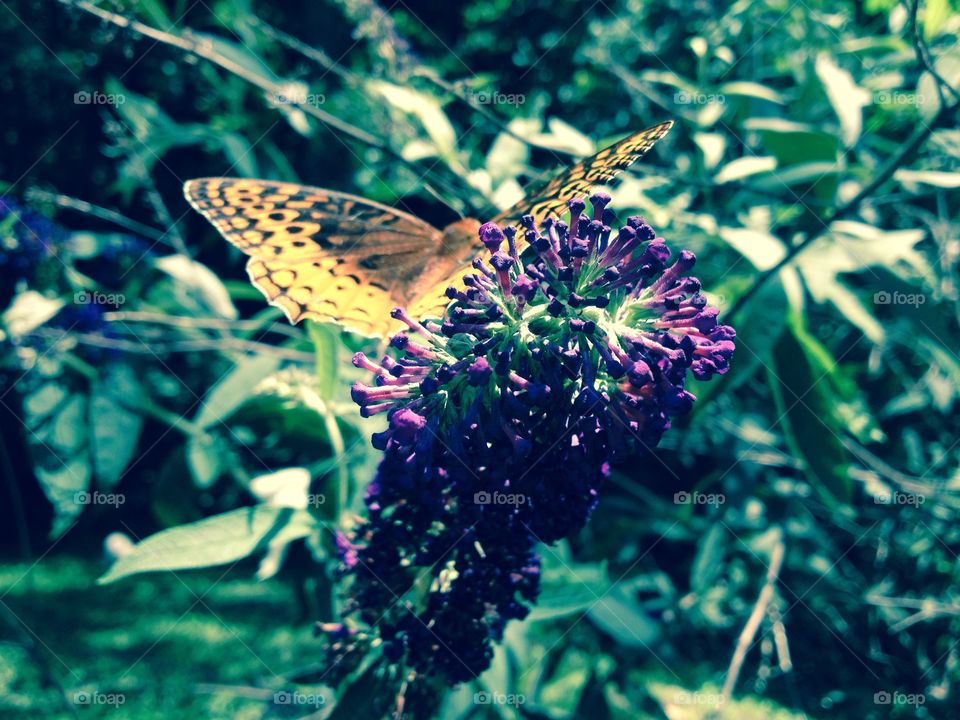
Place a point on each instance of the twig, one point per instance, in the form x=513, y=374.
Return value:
x=923, y=56
x=745, y=641
x=187, y=42
x=486, y=113
x=199, y=323
x=112, y=216
x=95, y=340
x=308, y=51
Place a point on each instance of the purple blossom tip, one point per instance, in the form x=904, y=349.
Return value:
x=491, y=236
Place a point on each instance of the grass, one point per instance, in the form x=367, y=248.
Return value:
x=213, y=644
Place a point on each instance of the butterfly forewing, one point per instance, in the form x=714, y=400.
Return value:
x=320, y=254
x=550, y=198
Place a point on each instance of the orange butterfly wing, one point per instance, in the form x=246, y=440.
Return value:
x=320, y=254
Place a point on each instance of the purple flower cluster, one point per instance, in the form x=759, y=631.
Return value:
x=504, y=417
x=27, y=239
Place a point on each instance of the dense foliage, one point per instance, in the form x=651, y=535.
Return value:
x=788, y=549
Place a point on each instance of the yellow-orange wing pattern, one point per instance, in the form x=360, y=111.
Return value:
x=551, y=198
x=320, y=254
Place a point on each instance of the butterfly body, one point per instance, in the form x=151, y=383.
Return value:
x=333, y=257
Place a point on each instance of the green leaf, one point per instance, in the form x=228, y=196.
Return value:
x=619, y=615
x=116, y=428
x=928, y=177
x=847, y=98
x=326, y=345
x=762, y=249
x=936, y=14
x=214, y=541
x=427, y=110
x=792, y=142
x=568, y=589
x=205, y=459
x=57, y=438
x=708, y=561
x=366, y=694
x=745, y=167
x=28, y=311
x=806, y=410
x=234, y=389
x=753, y=90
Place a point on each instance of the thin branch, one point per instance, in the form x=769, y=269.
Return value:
x=896, y=161
x=199, y=323
x=308, y=51
x=749, y=632
x=187, y=42
x=924, y=56
x=111, y=216
x=211, y=344
x=485, y=112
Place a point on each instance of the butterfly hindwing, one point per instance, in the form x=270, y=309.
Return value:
x=320, y=254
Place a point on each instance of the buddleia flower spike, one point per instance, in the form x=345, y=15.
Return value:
x=503, y=420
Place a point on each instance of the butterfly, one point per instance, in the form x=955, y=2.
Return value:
x=332, y=257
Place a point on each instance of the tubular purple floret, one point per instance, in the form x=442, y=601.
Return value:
x=398, y=313
x=491, y=236
x=360, y=360
x=599, y=200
